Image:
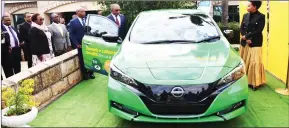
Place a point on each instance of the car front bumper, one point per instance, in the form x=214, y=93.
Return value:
x=123, y=95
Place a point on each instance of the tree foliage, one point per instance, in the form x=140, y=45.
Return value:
x=21, y=100
x=235, y=26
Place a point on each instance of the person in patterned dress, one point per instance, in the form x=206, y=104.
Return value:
x=40, y=38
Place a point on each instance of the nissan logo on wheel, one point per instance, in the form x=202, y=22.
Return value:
x=177, y=92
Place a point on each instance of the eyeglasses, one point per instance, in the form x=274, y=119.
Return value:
x=117, y=10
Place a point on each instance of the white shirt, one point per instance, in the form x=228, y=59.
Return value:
x=59, y=28
x=12, y=41
x=80, y=20
x=118, y=18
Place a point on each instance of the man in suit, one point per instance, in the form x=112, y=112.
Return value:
x=77, y=30
x=119, y=19
x=10, y=48
x=59, y=36
x=5, y=53
x=23, y=37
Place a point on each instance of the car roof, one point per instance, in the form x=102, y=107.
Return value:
x=187, y=11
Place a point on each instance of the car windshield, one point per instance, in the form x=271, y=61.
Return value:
x=172, y=26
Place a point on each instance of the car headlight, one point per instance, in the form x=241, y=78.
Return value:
x=234, y=75
x=118, y=75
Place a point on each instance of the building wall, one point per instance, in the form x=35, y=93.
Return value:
x=71, y=7
x=17, y=7
x=22, y=11
x=278, y=39
x=46, y=7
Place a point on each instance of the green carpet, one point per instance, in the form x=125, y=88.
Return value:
x=86, y=106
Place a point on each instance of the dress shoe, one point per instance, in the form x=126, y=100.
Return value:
x=254, y=88
x=92, y=76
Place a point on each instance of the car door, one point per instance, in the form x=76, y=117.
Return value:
x=97, y=52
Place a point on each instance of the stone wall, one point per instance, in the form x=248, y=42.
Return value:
x=20, y=6
x=52, y=78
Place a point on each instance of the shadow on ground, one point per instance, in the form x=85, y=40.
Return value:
x=86, y=106
x=229, y=123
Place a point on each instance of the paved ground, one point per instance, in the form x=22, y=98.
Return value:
x=86, y=106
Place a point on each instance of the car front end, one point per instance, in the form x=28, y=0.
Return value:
x=218, y=101
x=169, y=89
x=177, y=81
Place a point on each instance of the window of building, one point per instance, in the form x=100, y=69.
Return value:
x=18, y=19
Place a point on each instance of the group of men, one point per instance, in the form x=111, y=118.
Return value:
x=63, y=39
x=13, y=41
x=77, y=31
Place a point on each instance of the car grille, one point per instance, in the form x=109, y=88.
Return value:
x=175, y=108
x=159, y=100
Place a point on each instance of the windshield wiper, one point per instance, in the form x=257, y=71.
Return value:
x=182, y=41
x=169, y=42
x=209, y=39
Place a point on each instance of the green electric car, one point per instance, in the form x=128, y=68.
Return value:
x=174, y=66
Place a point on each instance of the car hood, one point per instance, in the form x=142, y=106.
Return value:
x=175, y=61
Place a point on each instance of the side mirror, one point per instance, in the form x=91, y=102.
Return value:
x=228, y=33
x=119, y=41
x=110, y=38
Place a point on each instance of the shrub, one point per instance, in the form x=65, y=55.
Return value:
x=235, y=26
x=21, y=100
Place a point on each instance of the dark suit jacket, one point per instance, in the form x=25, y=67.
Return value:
x=122, y=29
x=6, y=44
x=68, y=25
x=252, y=28
x=38, y=42
x=23, y=29
x=76, y=32
x=8, y=38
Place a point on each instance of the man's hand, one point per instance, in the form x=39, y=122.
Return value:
x=243, y=37
x=78, y=46
x=249, y=41
x=22, y=43
x=69, y=48
x=40, y=58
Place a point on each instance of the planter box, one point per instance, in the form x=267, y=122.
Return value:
x=18, y=121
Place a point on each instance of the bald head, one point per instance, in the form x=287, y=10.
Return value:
x=55, y=18
x=80, y=12
x=115, y=9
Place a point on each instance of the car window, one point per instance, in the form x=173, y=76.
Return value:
x=172, y=26
x=100, y=24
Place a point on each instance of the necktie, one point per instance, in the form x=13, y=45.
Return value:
x=83, y=22
x=116, y=20
x=14, y=37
